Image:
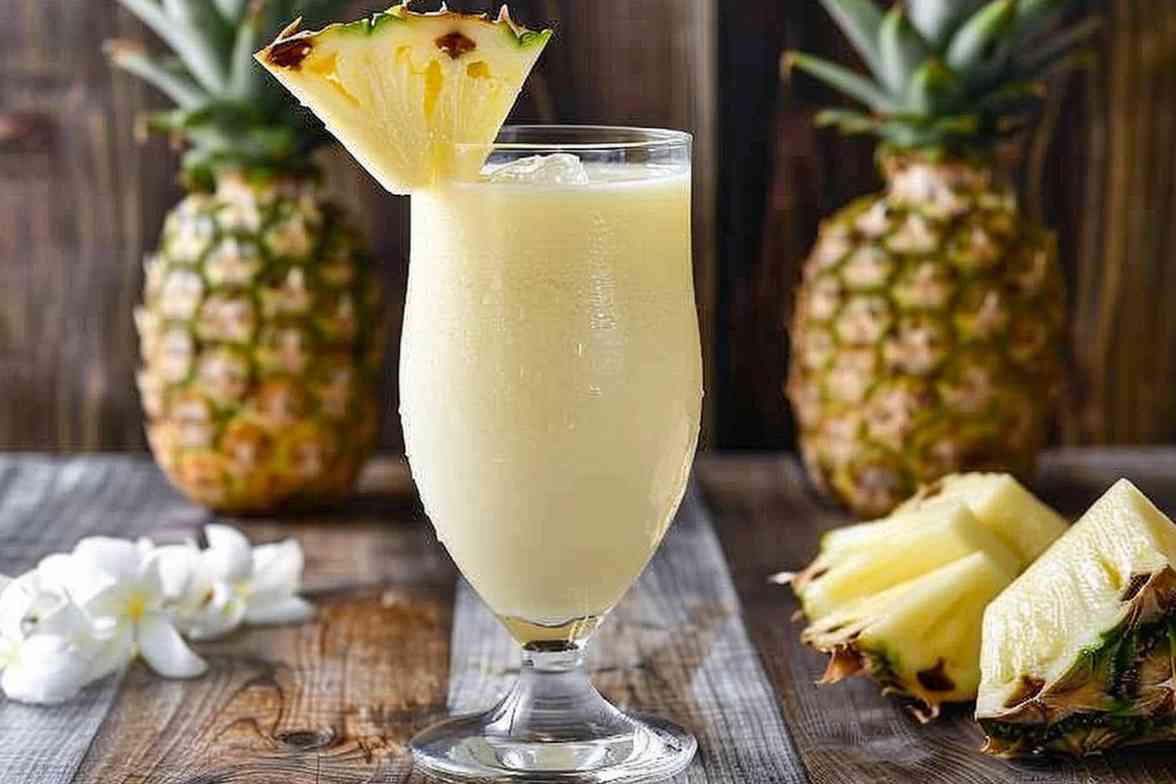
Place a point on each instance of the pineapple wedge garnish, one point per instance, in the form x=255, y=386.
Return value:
x=1078, y=653
x=402, y=90
x=901, y=599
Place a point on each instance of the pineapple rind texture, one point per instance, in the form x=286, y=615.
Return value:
x=927, y=334
x=261, y=341
x=1078, y=652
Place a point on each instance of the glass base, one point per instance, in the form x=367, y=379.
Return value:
x=553, y=726
x=461, y=750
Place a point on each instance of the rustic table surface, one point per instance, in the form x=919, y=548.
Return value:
x=399, y=641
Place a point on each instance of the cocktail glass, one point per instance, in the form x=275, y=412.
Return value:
x=551, y=390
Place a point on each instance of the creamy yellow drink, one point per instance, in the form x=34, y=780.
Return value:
x=551, y=380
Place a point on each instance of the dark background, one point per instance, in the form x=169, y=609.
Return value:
x=81, y=201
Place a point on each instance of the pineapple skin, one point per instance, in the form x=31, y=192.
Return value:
x=927, y=335
x=261, y=345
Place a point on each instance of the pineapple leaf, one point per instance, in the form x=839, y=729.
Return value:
x=231, y=10
x=933, y=89
x=860, y=20
x=245, y=79
x=1033, y=15
x=846, y=121
x=203, y=64
x=1057, y=48
x=179, y=87
x=937, y=19
x=842, y=79
x=901, y=51
x=980, y=35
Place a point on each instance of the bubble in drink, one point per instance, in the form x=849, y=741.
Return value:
x=558, y=169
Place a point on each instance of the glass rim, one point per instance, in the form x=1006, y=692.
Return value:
x=627, y=137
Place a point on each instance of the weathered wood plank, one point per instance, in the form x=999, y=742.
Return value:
x=332, y=700
x=336, y=698
x=675, y=646
x=770, y=520
x=46, y=506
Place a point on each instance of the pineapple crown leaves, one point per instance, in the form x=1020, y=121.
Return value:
x=947, y=74
x=226, y=111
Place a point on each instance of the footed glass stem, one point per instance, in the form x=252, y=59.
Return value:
x=553, y=726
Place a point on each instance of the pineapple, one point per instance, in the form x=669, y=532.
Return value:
x=402, y=90
x=1079, y=653
x=901, y=598
x=927, y=333
x=260, y=326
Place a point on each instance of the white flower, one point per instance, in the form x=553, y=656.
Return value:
x=120, y=586
x=232, y=583
x=47, y=648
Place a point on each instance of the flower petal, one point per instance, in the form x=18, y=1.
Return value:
x=109, y=603
x=178, y=564
x=220, y=615
x=229, y=556
x=292, y=609
x=164, y=650
x=116, y=558
x=46, y=670
x=114, y=651
x=277, y=569
x=57, y=573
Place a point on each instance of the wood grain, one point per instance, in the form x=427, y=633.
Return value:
x=675, y=647
x=335, y=699
x=770, y=520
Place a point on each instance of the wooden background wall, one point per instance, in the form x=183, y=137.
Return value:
x=80, y=202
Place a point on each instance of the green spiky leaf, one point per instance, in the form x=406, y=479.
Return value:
x=981, y=35
x=847, y=121
x=934, y=89
x=245, y=79
x=901, y=51
x=860, y=20
x=936, y=20
x=844, y=80
x=168, y=79
x=231, y=11
x=1059, y=47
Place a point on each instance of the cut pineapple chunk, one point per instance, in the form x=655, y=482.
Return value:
x=921, y=638
x=853, y=565
x=401, y=89
x=902, y=598
x=1077, y=653
x=1014, y=514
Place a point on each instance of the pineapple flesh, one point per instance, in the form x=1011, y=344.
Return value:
x=928, y=328
x=1078, y=653
x=402, y=90
x=901, y=599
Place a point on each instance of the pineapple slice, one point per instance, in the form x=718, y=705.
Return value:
x=852, y=564
x=853, y=561
x=902, y=598
x=1078, y=652
x=919, y=639
x=400, y=90
x=1010, y=511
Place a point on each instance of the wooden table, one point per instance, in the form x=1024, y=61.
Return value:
x=704, y=638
